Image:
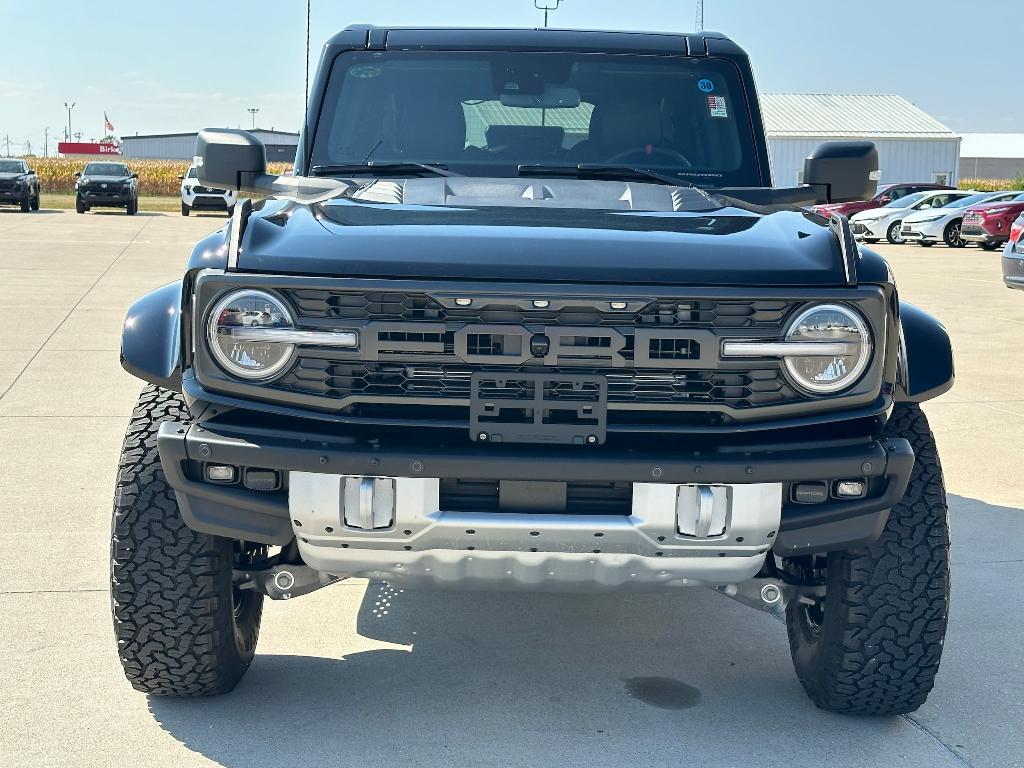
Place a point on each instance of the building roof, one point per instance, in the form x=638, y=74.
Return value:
x=993, y=145
x=292, y=134
x=847, y=115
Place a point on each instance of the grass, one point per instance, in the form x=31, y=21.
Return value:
x=146, y=203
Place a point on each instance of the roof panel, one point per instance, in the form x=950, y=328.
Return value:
x=848, y=115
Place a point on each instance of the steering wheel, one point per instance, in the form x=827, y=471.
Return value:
x=643, y=154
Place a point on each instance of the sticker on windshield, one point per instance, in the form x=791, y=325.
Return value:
x=717, y=106
x=706, y=85
x=365, y=71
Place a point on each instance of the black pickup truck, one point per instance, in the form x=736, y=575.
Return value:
x=530, y=314
x=19, y=184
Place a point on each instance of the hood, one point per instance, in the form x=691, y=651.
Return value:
x=9, y=175
x=877, y=213
x=982, y=207
x=539, y=230
x=932, y=214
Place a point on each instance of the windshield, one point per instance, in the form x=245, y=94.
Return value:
x=11, y=166
x=486, y=113
x=106, y=169
x=908, y=200
x=963, y=202
x=192, y=174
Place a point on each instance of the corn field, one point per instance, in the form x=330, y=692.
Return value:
x=156, y=177
x=995, y=185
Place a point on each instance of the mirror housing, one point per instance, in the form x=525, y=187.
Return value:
x=843, y=171
x=135, y=175
x=78, y=174
x=31, y=171
x=229, y=158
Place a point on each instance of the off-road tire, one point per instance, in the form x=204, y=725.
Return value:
x=875, y=647
x=892, y=234
x=35, y=202
x=132, y=208
x=80, y=206
x=184, y=209
x=26, y=203
x=181, y=628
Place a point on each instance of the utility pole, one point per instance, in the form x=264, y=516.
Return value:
x=46, y=141
x=700, y=16
x=547, y=7
x=28, y=147
x=7, y=141
x=252, y=111
x=69, y=107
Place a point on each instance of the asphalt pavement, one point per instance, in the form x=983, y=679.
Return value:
x=365, y=675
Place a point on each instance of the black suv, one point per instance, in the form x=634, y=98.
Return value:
x=530, y=314
x=19, y=184
x=107, y=185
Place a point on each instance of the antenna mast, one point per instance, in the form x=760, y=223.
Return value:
x=700, y=16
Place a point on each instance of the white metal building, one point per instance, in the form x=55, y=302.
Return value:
x=992, y=155
x=182, y=146
x=912, y=145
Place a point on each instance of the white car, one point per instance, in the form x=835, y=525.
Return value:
x=196, y=197
x=943, y=224
x=874, y=224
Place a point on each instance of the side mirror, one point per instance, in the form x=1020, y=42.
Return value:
x=135, y=175
x=181, y=177
x=843, y=171
x=227, y=158
x=31, y=172
x=78, y=174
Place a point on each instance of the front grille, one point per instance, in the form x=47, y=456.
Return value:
x=207, y=191
x=6, y=186
x=408, y=307
x=451, y=383
x=581, y=498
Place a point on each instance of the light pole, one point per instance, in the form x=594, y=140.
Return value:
x=69, y=107
x=550, y=5
x=252, y=111
x=46, y=141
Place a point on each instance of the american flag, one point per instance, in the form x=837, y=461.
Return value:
x=109, y=126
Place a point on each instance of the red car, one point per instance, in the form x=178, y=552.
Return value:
x=886, y=194
x=988, y=224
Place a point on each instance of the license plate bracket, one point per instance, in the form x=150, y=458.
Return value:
x=558, y=408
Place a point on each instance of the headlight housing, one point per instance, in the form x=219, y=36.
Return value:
x=827, y=374
x=249, y=359
x=928, y=219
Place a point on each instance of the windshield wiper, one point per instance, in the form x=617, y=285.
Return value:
x=597, y=171
x=377, y=168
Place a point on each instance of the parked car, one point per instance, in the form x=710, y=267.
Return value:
x=19, y=184
x=943, y=224
x=1013, y=256
x=106, y=184
x=887, y=221
x=196, y=197
x=641, y=385
x=988, y=224
x=887, y=193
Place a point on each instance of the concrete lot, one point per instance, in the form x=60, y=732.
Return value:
x=361, y=675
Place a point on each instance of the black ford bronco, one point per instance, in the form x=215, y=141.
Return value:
x=530, y=314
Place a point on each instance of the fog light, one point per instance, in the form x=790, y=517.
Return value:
x=463, y=302
x=262, y=480
x=220, y=473
x=810, y=493
x=541, y=303
x=851, y=489
x=618, y=305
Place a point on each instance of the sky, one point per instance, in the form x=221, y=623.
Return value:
x=157, y=67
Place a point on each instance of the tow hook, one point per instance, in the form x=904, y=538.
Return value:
x=283, y=582
x=772, y=595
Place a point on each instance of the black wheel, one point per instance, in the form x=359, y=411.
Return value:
x=925, y=243
x=990, y=246
x=132, y=208
x=872, y=645
x=26, y=203
x=184, y=209
x=871, y=240
x=80, y=206
x=182, y=627
x=951, y=235
x=34, y=204
x=892, y=234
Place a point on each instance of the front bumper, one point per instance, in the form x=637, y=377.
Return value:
x=869, y=230
x=1013, y=270
x=923, y=231
x=105, y=197
x=483, y=546
x=975, y=233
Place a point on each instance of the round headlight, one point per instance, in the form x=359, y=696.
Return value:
x=823, y=374
x=240, y=354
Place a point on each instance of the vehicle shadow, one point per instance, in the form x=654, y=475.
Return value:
x=32, y=213
x=473, y=678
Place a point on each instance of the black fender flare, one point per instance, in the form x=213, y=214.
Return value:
x=925, y=356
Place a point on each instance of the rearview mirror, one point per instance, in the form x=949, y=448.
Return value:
x=228, y=158
x=843, y=171
x=551, y=98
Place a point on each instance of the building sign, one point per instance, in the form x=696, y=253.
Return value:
x=88, y=148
